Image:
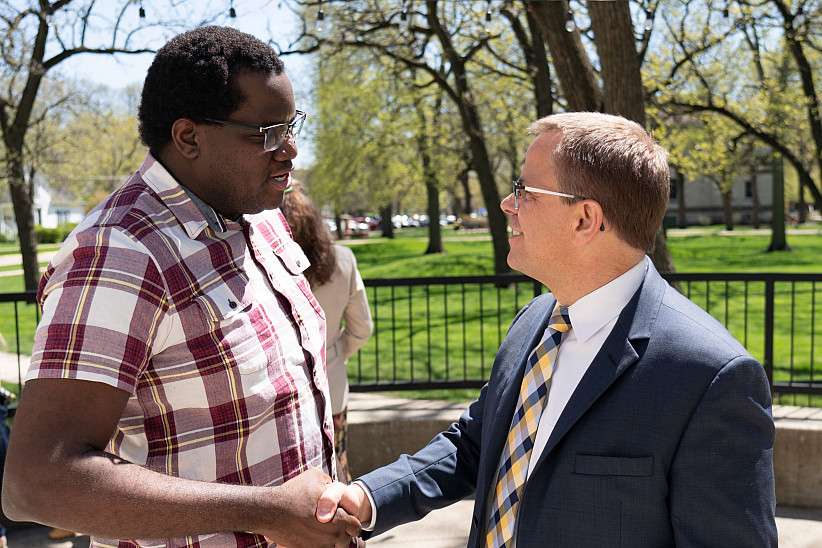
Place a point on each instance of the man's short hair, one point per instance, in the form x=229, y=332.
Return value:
x=617, y=163
x=194, y=76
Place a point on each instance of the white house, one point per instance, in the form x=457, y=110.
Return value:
x=51, y=208
x=698, y=201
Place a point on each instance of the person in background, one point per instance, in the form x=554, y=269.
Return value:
x=6, y=399
x=337, y=284
x=618, y=412
x=177, y=393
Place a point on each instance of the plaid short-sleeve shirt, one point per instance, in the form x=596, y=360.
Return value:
x=215, y=335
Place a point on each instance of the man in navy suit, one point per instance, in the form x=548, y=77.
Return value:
x=656, y=429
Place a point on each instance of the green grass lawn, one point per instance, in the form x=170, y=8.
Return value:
x=415, y=346
x=469, y=253
x=411, y=346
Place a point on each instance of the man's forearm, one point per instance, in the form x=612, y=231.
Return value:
x=101, y=495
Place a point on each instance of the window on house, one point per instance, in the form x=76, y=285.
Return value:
x=673, y=190
x=748, y=189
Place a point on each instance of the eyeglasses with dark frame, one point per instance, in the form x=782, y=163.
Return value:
x=274, y=135
x=519, y=187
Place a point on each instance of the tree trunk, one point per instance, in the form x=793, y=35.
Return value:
x=434, y=228
x=536, y=59
x=338, y=221
x=571, y=62
x=429, y=175
x=802, y=207
x=616, y=45
x=23, y=203
x=754, y=198
x=497, y=221
x=727, y=210
x=387, y=223
x=619, y=61
x=472, y=123
x=681, y=210
x=541, y=71
x=431, y=185
x=622, y=83
x=14, y=136
x=778, y=240
x=464, y=181
x=662, y=258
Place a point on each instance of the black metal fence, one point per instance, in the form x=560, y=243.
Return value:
x=440, y=333
x=443, y=333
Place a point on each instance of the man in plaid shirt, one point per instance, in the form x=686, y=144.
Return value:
x=178, y=394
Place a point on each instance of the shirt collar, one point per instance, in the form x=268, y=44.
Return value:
x=192, y=212
x=214, y=219
x=596, y=309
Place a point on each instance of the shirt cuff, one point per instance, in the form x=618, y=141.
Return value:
x=370, y=525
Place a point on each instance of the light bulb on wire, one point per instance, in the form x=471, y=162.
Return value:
x=405, y=24
x=141, y=12
x=569, y=21
x=320, y=18
x=231, y=11
x=649, y=19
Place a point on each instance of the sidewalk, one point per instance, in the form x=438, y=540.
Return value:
x=448, y=528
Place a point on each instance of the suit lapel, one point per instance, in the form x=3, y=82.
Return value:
x=622, y=349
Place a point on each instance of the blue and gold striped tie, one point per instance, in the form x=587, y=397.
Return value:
x=513, y=468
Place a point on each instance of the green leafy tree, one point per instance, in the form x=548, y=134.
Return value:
x=97, y=146
x=442, y=44
x=753, y=67
x=709, y=146
x=357, y=128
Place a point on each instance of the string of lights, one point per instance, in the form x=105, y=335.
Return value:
x=405, y=15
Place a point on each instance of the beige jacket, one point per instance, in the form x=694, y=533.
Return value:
x=343, y=297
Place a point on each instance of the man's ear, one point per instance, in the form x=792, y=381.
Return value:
x=186, y=138
x=590, y=221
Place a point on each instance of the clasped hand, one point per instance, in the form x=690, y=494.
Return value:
x=351, y=498
x=298, y=527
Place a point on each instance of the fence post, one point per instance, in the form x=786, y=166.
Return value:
x=769, y=329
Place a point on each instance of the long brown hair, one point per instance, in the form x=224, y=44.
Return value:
x=310, y=232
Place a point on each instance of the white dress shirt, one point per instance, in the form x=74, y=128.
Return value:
x=592, y=319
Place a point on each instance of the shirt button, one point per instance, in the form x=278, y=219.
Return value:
x=298, y=263
x=232, y=304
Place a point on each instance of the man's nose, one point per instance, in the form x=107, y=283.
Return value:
x=287, y=150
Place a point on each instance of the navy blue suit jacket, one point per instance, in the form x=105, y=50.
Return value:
x=667, y=440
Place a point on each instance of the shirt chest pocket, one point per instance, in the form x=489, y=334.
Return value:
x=229, y=319
x=292, y=257
x=596, y=465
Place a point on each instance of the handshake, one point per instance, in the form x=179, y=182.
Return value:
x=351, y=498
x=321, y=513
